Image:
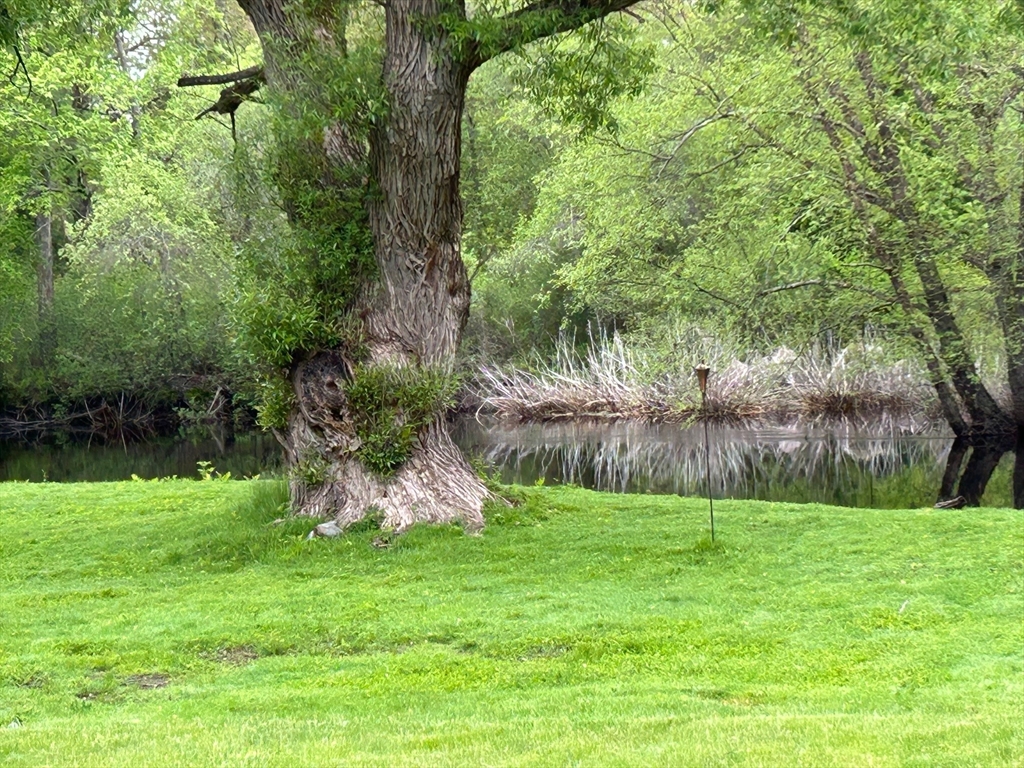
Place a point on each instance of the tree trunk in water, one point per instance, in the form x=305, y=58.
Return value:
x=987, y=418
x=954, y=462
x=983, y=462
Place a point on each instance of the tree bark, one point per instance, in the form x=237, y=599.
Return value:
x=980, y=466
x=44, y=265
x=954, y=462
x=986, y=415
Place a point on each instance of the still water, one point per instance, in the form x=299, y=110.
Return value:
x=882, y=467
x=879, y=467
x=99, y=461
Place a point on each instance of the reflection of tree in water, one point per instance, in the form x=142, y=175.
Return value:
x=845, y=466
x=966, y=482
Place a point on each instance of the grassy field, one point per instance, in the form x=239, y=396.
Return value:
x=163, y=624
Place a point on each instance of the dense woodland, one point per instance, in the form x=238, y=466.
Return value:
x=191, y=210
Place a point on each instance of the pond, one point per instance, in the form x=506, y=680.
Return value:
x=858, y=467
x=66, y=461
x=881, y=467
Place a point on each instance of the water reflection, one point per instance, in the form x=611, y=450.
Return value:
x=76, y=461
x=844, y=466
x=885, y=468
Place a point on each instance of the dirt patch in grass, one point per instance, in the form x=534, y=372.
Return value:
x=148, y=682
x=236, y=655
x=35, y=680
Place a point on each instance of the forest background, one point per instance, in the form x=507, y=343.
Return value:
x=728, y=182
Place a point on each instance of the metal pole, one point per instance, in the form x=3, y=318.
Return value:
x=702, y=372
x=707, y=459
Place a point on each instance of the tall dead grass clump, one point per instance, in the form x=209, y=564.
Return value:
x=610, y=380
x=604, y=382
x=857, y=381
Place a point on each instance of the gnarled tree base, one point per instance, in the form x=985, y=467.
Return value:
x=436, y=485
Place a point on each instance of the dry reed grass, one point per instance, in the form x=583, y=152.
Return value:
x=611, y=380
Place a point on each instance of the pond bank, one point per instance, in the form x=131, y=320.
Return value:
x=868, y=468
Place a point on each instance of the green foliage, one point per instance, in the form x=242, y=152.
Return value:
x=106, y=149
x=510, y=145
x=714, y=198
x=274, y=401
x=390, y=406
x=15, y=283
x=311, y=469
x=301, y=273
x=207, y=471
x=329, y=88
x=295, y=290
x=635, y=176
x=577, y=77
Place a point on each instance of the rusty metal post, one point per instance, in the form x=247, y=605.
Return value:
x=702, y=372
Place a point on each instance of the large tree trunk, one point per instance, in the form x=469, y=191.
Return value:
x=328, y=479
x=954, y=462
x=413, y=315
x=980, y=466
x=420, y=310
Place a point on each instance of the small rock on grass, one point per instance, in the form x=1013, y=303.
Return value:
x=327, y=530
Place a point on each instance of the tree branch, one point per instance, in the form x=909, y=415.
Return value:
x=835, y=284
x=791, y=286
x=539, y=19
x=254, y=72
x=246, y=83
x=690, y=132
x=20, y=63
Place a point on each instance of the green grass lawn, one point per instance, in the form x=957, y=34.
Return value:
x=171, y=624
